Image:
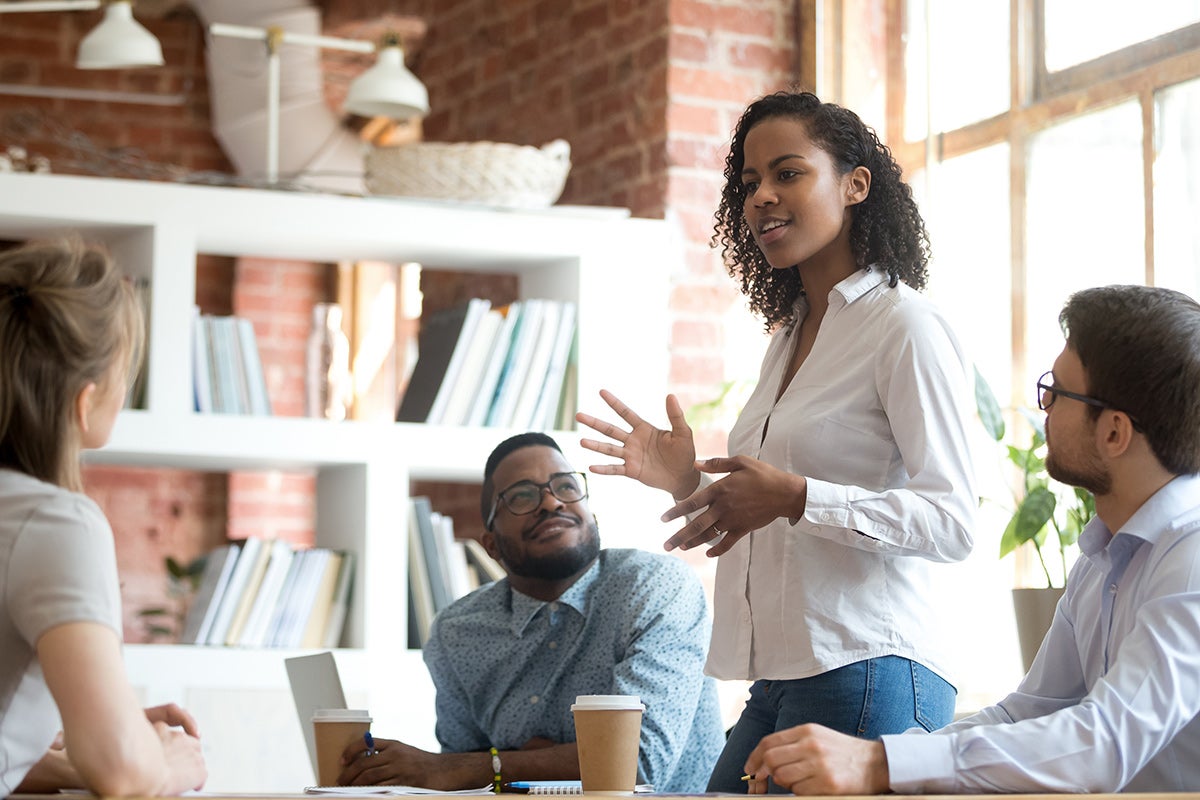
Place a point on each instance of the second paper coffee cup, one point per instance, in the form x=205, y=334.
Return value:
x=334, y=729
x=608, y=730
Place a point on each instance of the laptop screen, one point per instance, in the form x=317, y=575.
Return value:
x=315, y=684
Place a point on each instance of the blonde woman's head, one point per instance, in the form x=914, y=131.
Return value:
x=70, y=335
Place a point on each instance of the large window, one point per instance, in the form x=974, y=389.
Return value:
x=1053, y=145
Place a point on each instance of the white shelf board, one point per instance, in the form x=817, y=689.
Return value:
x=220, y=442
x=312, y=227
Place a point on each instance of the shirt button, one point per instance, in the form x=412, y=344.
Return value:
x=554, y=606
x=1112, y=589
x=533, y=700
x=826, y=517
x=553, y=645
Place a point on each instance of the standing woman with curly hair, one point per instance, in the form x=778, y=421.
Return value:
x=70, y=329
x=849, y=470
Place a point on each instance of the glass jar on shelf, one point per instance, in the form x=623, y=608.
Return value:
x=328, y=385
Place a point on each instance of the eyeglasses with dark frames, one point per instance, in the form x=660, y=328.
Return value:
x=524, y=497
x=1046, y=388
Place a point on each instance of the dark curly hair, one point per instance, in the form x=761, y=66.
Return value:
x=886, y=229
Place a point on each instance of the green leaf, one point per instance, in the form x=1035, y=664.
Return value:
x=152, y=612
x=987, y=407
x=1037, y=421
x=1068, y=534
x=175, y=569
x=1078, y=516
x=1086, y=501
x=1033, y=513
x=1027, y=460
x=710, y=410
x=1008, y=542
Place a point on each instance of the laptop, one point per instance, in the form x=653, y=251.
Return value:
x=315, y=684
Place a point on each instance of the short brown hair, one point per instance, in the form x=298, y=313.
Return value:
x=1140, y=350
x=66, y=318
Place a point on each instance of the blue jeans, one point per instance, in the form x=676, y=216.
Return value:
x=867, y=699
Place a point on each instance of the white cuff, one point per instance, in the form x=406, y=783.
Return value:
x=920, y=763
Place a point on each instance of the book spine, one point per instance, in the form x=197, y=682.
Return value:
x=233, y=591
x=256, y=380
x=341, y=601
x=217, y=568
x=476, y=308
x=516, y=365
x=481, y=406
x=434, y=566
x=201, y=364
x=539, y=364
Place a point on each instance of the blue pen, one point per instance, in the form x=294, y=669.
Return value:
x=370, y=741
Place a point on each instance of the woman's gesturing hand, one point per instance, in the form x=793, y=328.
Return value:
x=660, y=459
x=749, y=497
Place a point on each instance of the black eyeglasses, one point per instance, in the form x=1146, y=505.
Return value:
x=524, y=497
x=1050, y=390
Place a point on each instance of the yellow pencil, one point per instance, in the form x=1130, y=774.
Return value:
x=747, y=777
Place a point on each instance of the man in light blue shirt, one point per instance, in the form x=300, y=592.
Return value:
x=1112, y=700
x=569, y=619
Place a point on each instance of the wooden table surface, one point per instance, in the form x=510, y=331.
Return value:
x=305, y=796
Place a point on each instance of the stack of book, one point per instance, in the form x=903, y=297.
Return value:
x=441, y=569
x=262, y=593
x=226, y=371
x=510, y=367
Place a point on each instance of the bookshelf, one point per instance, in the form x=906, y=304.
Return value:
x=614, y=268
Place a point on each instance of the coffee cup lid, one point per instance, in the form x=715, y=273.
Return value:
x=608, y=702
x=341, y=715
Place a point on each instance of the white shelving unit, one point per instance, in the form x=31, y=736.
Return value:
x=615, y=268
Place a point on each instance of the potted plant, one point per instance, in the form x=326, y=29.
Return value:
x=1045, y=515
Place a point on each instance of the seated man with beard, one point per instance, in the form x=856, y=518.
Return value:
x=570, y=619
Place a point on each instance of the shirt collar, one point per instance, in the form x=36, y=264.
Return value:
x=1149, y=522
x=858, y=284
x=849, y=289
x=525, y=608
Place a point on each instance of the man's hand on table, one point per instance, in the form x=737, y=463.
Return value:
x=398, y=764
x=814, y=760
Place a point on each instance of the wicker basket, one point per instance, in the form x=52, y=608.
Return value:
x=492, y=173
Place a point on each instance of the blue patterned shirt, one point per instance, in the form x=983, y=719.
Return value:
x=508, y=667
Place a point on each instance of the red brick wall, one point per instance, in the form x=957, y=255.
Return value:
x=592, y=72
x=155, y=513
x=38, y=49
x=646, y=92
x=277, y=297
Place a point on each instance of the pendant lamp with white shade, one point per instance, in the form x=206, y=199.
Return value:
x=388, y=89
x=118, y=42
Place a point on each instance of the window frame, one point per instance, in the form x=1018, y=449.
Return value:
x=1038, y=100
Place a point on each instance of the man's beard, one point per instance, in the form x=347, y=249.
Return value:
x=554, y=566
x=1091, y=475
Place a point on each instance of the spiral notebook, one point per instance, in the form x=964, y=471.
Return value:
x=560, y=787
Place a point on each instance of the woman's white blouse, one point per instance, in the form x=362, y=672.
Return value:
x=875, y=419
